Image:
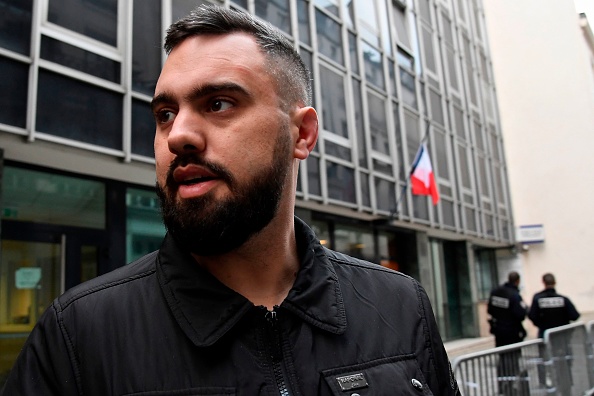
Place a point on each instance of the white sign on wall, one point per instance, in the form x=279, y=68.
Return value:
x=27, y=277
x=530, y=233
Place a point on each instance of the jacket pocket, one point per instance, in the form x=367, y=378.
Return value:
x=392, y=376
x=210, y=391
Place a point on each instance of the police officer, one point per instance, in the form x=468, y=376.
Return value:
x=507, y=310
x=550, y=309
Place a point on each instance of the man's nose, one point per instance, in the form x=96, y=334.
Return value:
x=186, y=134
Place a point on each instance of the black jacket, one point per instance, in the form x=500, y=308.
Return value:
x=550, y=309
x=163, y=326
x=507, y=310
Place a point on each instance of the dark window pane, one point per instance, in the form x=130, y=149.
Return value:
x=341, y=182
x=329, y=5
x=146, y=45
x=97, y=19
x=276, y=12
x=143, y=129
x=365, y=199
x=329, y=37
x=359, y=126
x=441, y=153
x=378, y=125
x=384, y=195
x=313, y=175
x=436, y=108
x=242, y=3
x=303, y=20
x=75, y=110
x=337, y=150
x=333, y=101
x=409, y=92
x=79, y=59
x=15, y=79
x=15, y=25
x=374, y=70
x=420, y=210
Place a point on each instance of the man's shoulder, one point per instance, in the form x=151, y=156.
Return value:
x=345, y=262
x=111, y=282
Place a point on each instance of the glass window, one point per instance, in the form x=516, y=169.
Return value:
x=413, y=140
x=144, y=228
x=393, y=82
x=329, y=37
x=420, y=210
x=96, y=19
x=277, y=12
x=337, y=150
x=359, y=126
x=354, y=241
x=313, y=175
x=15, y=79
x=374, y=70
x=303, y=21
x=43, y=197
x=341, y=182
x=429, y=53
x=354, y=56
x=436, y=108
x=79, y=59
x=463, y=164
x=307, y=60
x=384, y=195
x=377, y=124
x=181, y=8
x=447, y=212
x=365, y=198
x=408, y=89
x=75, y=110
x=368, y=21
x=143, y=129
x=470, y=219
x=399, y=147
x=329, y=5
x=15, y=25
x=441, y=151
x=400, y=23
x=146, y=45
x=242, y=3
x=334, y=114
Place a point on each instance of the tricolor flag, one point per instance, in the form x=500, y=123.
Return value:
x=421, y=175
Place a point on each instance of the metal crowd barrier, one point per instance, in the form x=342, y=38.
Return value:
x=560, y=364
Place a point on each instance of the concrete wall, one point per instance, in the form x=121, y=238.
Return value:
x=545, y=88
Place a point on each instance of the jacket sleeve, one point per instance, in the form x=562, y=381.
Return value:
x=43, y=366
x=534, y=314
x=442, y=381
x=572, y=313
x=519, y=308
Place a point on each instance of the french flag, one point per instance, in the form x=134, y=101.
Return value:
x=421, y=175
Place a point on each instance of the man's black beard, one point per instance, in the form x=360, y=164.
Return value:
x=205, y=226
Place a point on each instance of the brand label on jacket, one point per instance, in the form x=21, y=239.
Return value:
x=353, y=381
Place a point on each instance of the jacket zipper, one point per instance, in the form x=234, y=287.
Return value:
x=276, y=354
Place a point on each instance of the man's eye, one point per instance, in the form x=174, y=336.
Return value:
x=164, y=116
x=220, y=105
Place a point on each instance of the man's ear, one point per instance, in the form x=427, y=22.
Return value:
x=306, y=119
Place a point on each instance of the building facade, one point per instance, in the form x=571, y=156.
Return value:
x=76, y=134
x=545, y=84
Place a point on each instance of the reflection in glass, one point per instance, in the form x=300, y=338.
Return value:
x=15, y=25
x=329, y=5
x=334, y=115
x=354, y=241
x=97, y=19
x=359, y=126
x=43, y=197
x=15, y=79
x=329, y=37
x=353, y=55
x=313, y=175
x=79, y=111
x=374, y=71
x=146, y=45
x=385, y=195
x=365, y=198
x=277, y=12
x=341, y=182
x=30, y=278
x=408, y=89
x=79, y=59
x=144, y=228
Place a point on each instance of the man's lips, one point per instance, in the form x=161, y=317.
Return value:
x=194, y=180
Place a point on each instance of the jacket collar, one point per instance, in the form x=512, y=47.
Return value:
x=206, y=309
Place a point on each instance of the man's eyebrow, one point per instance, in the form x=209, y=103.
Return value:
x=199, y=92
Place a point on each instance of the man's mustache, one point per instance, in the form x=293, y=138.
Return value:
x=183, y=160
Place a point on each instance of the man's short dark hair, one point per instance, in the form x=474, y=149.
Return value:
x=283, y=61
x=513, y=277
x=548, y=279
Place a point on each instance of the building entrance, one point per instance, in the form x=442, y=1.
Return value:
x=37, y=263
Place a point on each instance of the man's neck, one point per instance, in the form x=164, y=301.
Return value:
x=263, y=269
